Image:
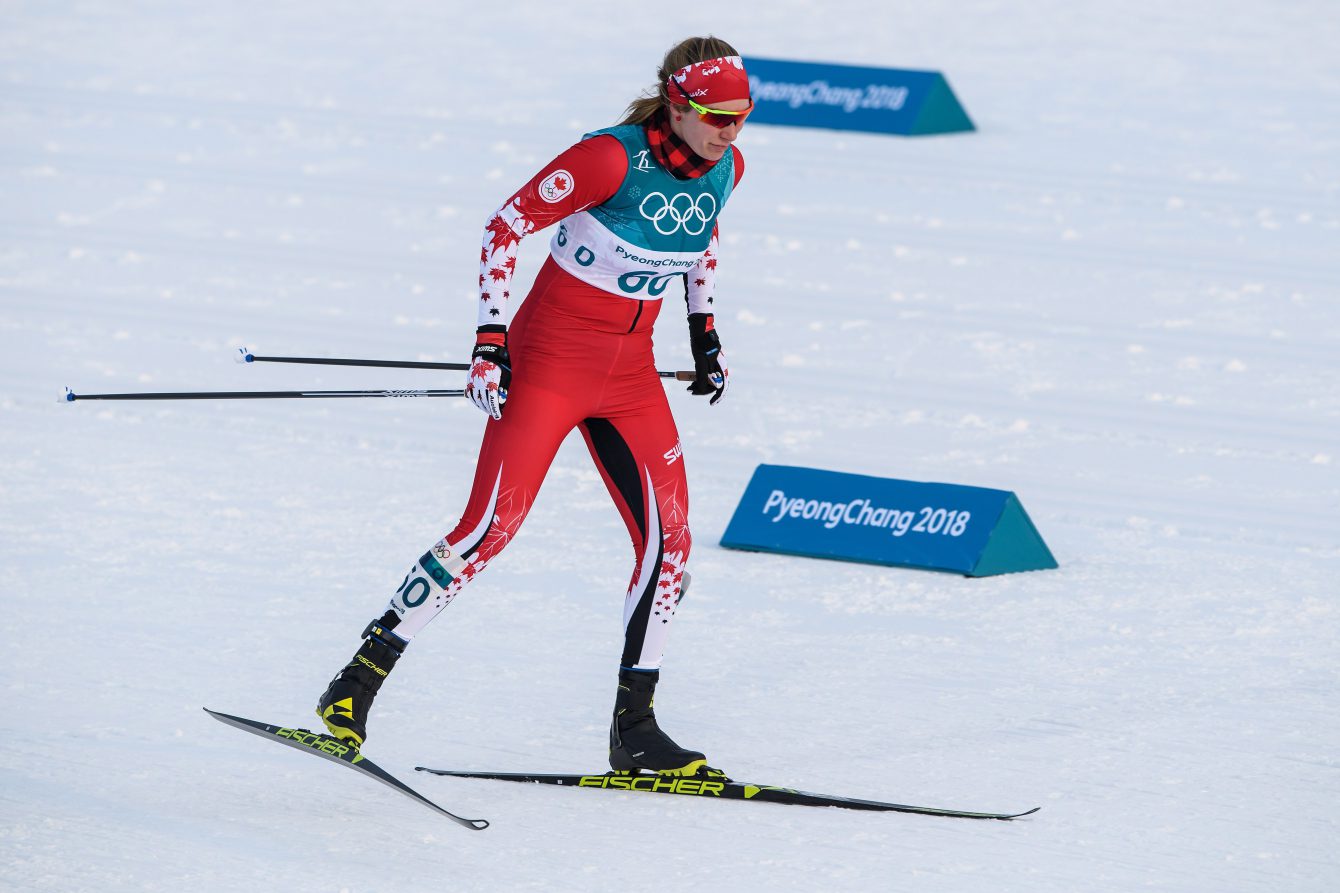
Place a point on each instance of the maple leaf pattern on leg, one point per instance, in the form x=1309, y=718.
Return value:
x=510, y=510
x=676, y=541
x=645, y=643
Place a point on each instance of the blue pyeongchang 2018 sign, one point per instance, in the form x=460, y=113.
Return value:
x=854, y=517
x=849, y=97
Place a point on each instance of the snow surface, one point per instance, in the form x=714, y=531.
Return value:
x=1119, y=299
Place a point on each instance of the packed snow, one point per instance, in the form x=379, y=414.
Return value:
x=1119, y=298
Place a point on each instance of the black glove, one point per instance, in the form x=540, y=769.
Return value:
x=490, y=370
x=709, y=363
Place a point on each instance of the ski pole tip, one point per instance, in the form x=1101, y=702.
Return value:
x=67, y=397
x=244, y=356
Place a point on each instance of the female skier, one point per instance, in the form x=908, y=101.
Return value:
x=636, y=206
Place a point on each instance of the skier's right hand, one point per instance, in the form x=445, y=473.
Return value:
x=490, y=370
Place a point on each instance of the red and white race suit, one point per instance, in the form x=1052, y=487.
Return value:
x=581, y=358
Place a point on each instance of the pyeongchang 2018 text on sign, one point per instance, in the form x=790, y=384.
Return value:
x=849, y=97
x=827, y=514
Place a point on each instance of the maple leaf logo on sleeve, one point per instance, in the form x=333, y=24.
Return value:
x=498, y=274
x=507, y=226
x=501, y=234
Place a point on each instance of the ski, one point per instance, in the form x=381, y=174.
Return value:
x=337, y=751
x=721, y=788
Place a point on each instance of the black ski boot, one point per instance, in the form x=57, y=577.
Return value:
x=344, y=706
x=636, y=742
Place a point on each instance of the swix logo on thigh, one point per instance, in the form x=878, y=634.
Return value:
x=672, y=455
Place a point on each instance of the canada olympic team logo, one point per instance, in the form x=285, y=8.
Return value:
x=555, y=186
x=670, y=215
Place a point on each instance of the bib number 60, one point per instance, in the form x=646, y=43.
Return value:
x=654, y=283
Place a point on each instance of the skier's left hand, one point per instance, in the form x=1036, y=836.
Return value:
x=490, y=370
x=708, y=361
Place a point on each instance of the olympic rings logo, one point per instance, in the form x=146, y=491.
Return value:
x=681, y=212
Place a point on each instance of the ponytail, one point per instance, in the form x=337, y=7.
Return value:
x=685, y=53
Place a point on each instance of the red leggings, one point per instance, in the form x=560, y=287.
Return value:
x=581, y=358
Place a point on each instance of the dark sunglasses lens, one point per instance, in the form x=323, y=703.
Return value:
x=718, y=120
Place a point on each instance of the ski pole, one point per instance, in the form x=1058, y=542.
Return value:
x=71, y=396
x=246, y=356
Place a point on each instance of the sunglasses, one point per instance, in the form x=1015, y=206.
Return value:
x=716, y=117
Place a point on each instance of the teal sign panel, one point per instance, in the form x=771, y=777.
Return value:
x=850, y=97
x=852, y=517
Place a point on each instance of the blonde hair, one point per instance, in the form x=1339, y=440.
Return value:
x=686, y=52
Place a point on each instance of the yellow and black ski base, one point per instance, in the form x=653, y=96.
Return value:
x=718, y=787
x=337, y=751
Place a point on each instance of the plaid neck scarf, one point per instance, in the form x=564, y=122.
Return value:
x=671, y=152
